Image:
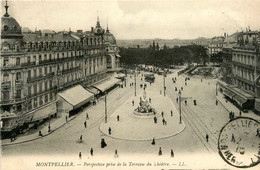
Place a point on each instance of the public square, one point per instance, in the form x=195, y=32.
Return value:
x=132, y=135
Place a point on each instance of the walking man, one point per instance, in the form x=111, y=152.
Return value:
x=153, y=141
x=87, y=116
x=185, y=102
x=162, y=114
x=155, y=120
x=116, y=155
x=207, y=137
x=91, y=151
x=109, y=131
x=160, y=151
x=172, y=153
x=117, y=118
x=80, y=138
x=171, y=113
x=80, y=155
x=85, y=124
x=133, y=102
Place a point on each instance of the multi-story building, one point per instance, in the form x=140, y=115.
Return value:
x=36, y=68
x=245, y=87
x=215, y=46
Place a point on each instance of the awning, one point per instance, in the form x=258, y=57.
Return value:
x=92, y=90
x=107, y=84
x=229, y=93
x=240, y=100
x=76, y=96
x=118, y=55
x=45, y=112
x=120, y=75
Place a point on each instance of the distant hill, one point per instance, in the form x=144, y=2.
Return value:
x=144, y=43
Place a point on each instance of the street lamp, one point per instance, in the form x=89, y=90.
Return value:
x=180, y=105
x=106, y=108
x=164, y=83
x=135, y=84
x=216, y=89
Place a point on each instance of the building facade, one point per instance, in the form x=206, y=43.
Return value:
x=244, y=88
x=36, y=66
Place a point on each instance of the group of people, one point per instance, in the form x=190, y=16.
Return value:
x=91, y=153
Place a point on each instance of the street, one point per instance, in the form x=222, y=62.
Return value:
x=189, y=143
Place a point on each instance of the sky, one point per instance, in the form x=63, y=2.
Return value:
x=140, y=19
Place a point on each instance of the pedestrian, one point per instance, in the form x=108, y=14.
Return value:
x=176, y=89
x=133, y=102
x=150, y=100
x=80, y=155
x=103, y=143
x=80, y=138
x=117, y=118
x=172, y=153
x=160, y=151
x=49, y=128
x=91, y=151
x=116, y=154
x=162, y=114
x=195, y=102
x=163, y=121
x=216, y=102
x=207, y=137
x=66, y=118
x=87, y=116
x=109, y=131
x=85, y=123
x=155, y=120
x=240, y=113
x=40, y=133
x=185, y=83
x=182, y=88
x=171, y=113
x=185, y=102
x=153, y=141
x=177, y=100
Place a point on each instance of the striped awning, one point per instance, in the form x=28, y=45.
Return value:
x=229, y=93
x=240, y=100
x=107, y=84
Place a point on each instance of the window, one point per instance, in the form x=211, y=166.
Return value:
x=40, y=58
x=6, y=61
x=29, y=91
x=6, y=95
x=45, y=70
x=28, y=59
x=34, y=58
x=30, y=104
x=40, y=71
x=45, y=56
x=35, y=102
x=41, y=101
x=5, y=28
x=46, y=98
x=45, y=85
x=51, y=97
x=40, y=87
x=18, y=61
x=18, y=94
x=6, y=77
x=29, y=74
x=50, y=84
x=18, y=75
x=50, y=57
x=35, y=89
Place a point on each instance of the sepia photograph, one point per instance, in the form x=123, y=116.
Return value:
x=121, y=84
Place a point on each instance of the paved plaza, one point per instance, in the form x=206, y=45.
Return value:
x=132, y=135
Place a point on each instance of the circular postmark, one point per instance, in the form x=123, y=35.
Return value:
x=239, y=143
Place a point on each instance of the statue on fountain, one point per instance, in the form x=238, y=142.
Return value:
x=144, y=106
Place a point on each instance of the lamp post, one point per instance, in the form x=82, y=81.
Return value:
x=180, y=105
x=216, y=89
x=135, y=84
x=164, y=83
x=106, y=108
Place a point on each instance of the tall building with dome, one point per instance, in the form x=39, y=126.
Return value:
x=44, y=73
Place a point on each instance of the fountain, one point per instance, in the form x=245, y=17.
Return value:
x=144, y=108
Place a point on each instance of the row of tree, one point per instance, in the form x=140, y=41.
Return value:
x=165, y=57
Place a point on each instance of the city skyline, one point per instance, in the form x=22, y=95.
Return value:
x=139, y=19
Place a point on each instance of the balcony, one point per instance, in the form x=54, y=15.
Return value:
x=70, y=70
x=248, y=66
x=18, y=83
x=6, y=85
x=32, y=79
